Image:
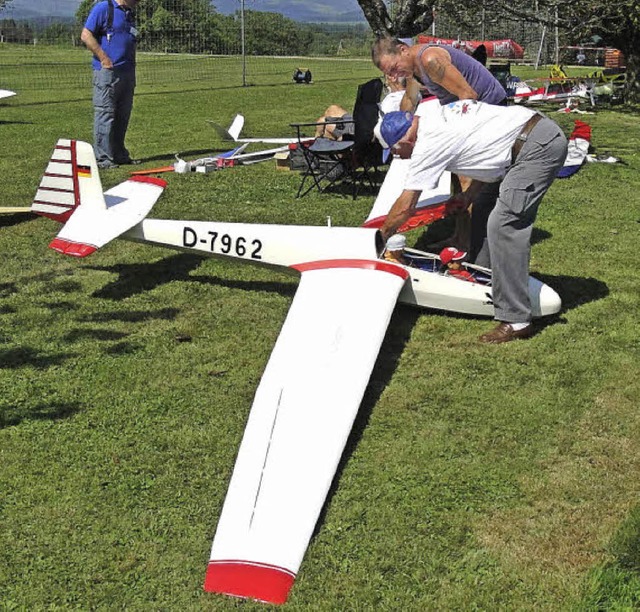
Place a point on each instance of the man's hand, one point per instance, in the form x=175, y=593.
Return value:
x=91, y=42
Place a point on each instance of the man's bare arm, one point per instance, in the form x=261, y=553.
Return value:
x=436, y=62
x=400, y=212
x=91, y=42
x=412, y=96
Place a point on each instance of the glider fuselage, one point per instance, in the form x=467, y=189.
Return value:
x=291, y=246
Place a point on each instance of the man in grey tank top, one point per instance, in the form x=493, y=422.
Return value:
x=449, y=74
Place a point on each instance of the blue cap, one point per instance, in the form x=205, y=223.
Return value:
x=393, y=127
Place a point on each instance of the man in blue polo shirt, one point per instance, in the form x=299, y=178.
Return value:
x=110, y=34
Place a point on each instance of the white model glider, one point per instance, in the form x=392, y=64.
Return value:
x=312, y=387
x=233, y=133
x=553, y=92
x=6, y=93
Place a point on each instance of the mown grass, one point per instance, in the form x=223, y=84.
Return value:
x=476, y=477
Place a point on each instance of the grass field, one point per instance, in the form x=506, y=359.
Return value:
x=476, y=477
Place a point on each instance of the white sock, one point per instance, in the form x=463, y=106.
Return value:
x=519, y=326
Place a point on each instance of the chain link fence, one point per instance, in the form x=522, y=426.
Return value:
x=190, y=44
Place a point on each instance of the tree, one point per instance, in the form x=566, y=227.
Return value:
x=617, y=23
x=407, y=17
x=4, y=3
x=274, y=34
x=190, y=26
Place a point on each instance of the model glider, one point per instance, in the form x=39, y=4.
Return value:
x=181, y=166
x=233, y=133
x=313, y=384
x=6, y=93
x=553, y=90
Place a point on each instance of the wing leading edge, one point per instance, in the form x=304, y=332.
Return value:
x=299, y=423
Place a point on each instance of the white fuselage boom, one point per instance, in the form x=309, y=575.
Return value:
x=292, y=246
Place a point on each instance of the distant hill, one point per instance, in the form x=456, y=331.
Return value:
x=330, y=11
x=40, y=10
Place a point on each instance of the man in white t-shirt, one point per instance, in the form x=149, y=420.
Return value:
x=486, y=143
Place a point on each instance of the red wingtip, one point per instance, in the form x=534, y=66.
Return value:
x=149, y=179
x=75, y=249
x=244, y=579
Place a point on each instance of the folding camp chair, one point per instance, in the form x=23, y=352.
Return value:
x=329, y=162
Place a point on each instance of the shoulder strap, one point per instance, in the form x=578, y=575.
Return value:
x=111, y=10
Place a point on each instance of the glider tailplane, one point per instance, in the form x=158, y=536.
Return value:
x=71, y=192
x=70, y=179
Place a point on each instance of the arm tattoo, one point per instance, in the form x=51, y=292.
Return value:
x=436, y=68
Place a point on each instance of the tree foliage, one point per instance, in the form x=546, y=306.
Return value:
x=616, y=23
x=193, y=26
x=15, y=31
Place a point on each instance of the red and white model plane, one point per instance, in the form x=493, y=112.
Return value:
x=312, y=387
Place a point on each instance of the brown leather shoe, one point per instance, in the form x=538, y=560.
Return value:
x=505, y=333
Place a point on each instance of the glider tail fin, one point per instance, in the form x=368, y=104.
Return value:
x=70, y=179
x=236, y=126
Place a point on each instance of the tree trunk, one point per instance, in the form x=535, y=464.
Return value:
x=412, y=17
x=632, y=56
x=375, y=12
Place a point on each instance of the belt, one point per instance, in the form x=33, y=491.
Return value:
x=523, y=135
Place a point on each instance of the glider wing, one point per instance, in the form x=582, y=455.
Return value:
x=392, y=187
x=301, y=417
x=233, y=133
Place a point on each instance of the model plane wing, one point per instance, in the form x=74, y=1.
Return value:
x=392, y=187
x=233, y=133
x=6, y=93
x=301, y=417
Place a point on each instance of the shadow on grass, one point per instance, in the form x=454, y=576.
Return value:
x=15, y=219
x=16, y=123
x=62, y=306
x=14, y=415
x=188, y=155
x=133, y=316
x=136, y=278
x=575, y=290
x=94, y=334
x=20, y=357
x=7, y=289
x=539, y=235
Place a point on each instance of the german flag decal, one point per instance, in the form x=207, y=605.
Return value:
x=84, y=171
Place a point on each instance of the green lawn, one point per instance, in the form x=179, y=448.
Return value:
x=477, y=477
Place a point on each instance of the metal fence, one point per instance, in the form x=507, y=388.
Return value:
x=215, y=50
